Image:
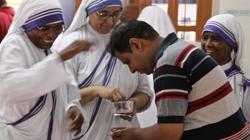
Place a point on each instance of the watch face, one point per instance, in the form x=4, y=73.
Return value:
x=124, y=107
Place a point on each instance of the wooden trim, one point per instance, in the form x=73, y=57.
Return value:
x=204, y=12
x=186, y=28
x=144, y=3
x=132, y=8
x=77, y=4
x=173, y=12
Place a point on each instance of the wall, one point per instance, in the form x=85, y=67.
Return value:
x=241, y=10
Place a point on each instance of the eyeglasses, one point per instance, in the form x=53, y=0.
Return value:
x=104, y=15
x=46, y=29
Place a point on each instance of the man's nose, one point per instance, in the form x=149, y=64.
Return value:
x=132, y=69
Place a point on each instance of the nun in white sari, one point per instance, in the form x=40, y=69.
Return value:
x=30, y=107
x=97, y=72
x=158, y=19
x=229, y=54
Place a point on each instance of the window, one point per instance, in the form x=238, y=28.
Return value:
x=187, y=13
x=188, y=16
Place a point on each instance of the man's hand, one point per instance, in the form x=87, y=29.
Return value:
x=76, y=119
x=166, y=131
x=75, y=48
x=129, y=116
x=123, y=133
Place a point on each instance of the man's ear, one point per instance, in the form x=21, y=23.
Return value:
x=135, y=44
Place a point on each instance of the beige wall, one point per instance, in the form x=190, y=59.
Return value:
x=14, y=3
x=241, y=10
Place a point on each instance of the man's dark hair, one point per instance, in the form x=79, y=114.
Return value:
x=119, y=41
x=2, y=3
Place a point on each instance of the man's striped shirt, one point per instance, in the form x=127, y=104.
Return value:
x=192, y=89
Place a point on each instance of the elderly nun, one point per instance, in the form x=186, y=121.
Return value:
x=102, y=78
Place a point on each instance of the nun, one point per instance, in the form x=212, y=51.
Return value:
x=33, y=79
x=103, y=79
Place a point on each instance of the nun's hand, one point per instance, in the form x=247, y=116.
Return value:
x=111, y=94
x=76, y=120
x=75, y=48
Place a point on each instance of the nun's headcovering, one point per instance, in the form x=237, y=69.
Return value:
x=229, y=29
x=100, y=4
x=35, y=13
x=158, y=19
x=222, y=26
x=42, y=18
x=88, y=7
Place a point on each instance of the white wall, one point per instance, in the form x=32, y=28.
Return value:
x=241, y=10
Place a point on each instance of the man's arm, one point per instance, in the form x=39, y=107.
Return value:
x=141, y=101
x=143, y=94
x=156, y=132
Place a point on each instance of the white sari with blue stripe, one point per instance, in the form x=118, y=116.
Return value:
x=229, y=29
x=30, y=107
x=83, y=64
